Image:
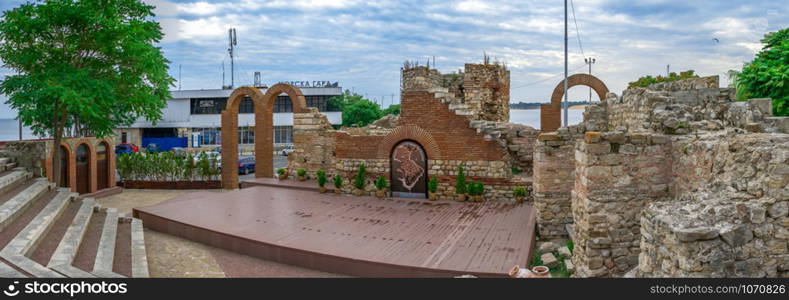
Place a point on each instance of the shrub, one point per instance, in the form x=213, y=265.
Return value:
x=516, y=171
x=519, y=191
x=476, y=188
x=281, y=171
x=460, y=181
x=570, y=245
x=380, y=183
x=337, y=181
x=321, y=177
x=767, y=76
x=301, y=172
x=647, y=80
x=360, y=175
x=432, y=185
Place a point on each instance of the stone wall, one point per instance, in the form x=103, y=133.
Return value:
x=730, y=217
x=486, y=90
x=313, y=143
x=616, y=175
x=554, y=167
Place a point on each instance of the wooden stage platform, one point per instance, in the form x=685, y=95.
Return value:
x=357, y=236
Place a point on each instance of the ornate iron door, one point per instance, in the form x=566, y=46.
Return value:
x=409, y=170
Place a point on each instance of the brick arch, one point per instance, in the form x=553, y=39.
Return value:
x=550, y=114
x=409, y=132
x=264, y=129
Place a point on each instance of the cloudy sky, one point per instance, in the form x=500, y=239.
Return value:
x=362, y=44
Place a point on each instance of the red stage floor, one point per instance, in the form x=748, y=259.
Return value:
x=358, y=236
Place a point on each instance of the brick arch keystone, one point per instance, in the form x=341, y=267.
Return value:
x=264, y=129
x=409, y=132
x=550, y=114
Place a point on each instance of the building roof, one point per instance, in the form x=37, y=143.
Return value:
x=217, y=93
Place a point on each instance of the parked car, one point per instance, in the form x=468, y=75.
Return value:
x=246, y=165
x=153, y=148
x=288, y=149
x=126, y=148
x=179, y=151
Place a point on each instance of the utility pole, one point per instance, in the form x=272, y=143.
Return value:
x=20, y=126
x=179, y=77
x=667, y=66
x=565, y=64
x=233, y=43
x=589, y=61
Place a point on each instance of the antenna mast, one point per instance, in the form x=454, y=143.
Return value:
x=233, y=43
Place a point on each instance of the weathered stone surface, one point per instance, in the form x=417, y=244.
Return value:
x=696, y=234
x=565, y=251
x=548, y=247
x=549, y=260
x=736, y=236
x=779, y=209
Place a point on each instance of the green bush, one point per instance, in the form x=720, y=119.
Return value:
x=516, y=171
x=321, y=174
x=301, y=172
x=519, y=191
x=380, y=183
x=281, y=171
x=460, y=181
x=337, y=181
x=166, y=166
x=476, y=188
x=432, y=185
x=359, y=181
x=647, y=80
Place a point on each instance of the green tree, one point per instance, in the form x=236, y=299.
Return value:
x=392, y=110
x=360, y=113
x=87, y=62
x=767, y=76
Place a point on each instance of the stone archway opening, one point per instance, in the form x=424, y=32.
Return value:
x=264, y=129
x=102, y=166
x=65, y=158
x=550, y=114
x=82, y=164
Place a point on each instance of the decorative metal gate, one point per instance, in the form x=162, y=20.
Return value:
x=409, y=170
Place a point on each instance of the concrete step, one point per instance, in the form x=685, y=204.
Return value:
x=102, y=265
x=66, y=250
x=13, y=179
x=139, y=256
x=18, y=203
x=22, y=246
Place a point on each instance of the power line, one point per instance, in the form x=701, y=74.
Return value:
x=577, y=32
x=545, y=79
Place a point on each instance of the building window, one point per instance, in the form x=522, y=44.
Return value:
x=212, y=106
x=246, y=135
x=208, y=136
x=283, y=104
x=124, y=138
x=283, y=134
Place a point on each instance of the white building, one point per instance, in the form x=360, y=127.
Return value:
x=194, y=115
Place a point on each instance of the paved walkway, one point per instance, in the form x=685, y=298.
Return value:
x=171, y=256
x=365, y=236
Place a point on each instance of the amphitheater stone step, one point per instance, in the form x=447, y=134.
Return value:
x=67, y=248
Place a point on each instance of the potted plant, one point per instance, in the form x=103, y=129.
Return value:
x=432, y=187
x=520, y=194
x=321, y=174
x=283, y=174
x=337, y=184
x=460, y=184
x=479, y=191
x=359, y=181
x=301, y=174
x=381, y=185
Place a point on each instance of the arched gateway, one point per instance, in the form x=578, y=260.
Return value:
x=409, y=170
x=550, y=114
x=264, y=129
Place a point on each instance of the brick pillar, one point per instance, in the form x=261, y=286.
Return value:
x=230, y=149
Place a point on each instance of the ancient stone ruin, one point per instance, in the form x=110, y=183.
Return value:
x=674, y=180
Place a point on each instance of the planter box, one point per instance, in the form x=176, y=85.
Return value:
x=171, y=185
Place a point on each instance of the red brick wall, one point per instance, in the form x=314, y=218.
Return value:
x=449, y=132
